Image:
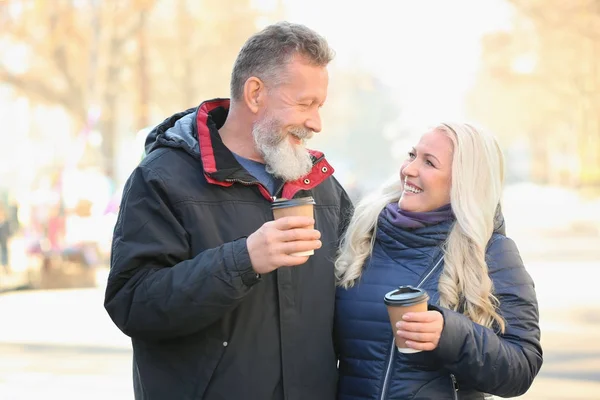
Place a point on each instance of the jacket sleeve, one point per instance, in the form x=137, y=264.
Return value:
x=499, y=364
x=156, y=288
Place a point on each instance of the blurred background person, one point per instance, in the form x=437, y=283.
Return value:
x=5, y=233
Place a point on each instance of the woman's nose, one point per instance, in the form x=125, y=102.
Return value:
x=410, y=169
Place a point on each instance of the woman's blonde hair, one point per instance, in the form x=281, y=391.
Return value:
x=476, y=190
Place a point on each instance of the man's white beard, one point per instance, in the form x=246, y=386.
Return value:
x=282, y=158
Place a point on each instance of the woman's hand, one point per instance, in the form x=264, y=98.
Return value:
x=421, y=330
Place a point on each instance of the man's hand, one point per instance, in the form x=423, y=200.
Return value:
x=421, y=330
x=271, y=245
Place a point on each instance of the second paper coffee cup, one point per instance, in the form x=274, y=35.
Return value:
x=303, y=206
x=400, y=301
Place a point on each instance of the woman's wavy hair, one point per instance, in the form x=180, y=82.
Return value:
x=476, y=190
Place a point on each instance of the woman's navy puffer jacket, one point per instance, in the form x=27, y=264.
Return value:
x=470, y=360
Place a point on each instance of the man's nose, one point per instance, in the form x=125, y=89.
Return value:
x=314, y=122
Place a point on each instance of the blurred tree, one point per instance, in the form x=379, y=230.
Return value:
x=541, y=81
x=121, y=65
x=71, y=54
x=193, y=61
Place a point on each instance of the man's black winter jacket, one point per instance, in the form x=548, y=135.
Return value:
x=181, y=285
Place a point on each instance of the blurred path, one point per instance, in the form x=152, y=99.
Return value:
x=62, y=342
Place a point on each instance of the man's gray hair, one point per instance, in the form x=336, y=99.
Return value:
x=266, y=54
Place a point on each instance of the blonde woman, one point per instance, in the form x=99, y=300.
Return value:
x=439, y=227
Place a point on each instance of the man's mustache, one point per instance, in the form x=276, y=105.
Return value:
x=301, y=133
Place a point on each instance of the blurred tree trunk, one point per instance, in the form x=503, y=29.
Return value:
x=144, y=80
x=108, y=116
x=195, y=60
x=186, y=31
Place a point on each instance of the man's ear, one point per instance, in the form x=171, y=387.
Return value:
x=254, y=91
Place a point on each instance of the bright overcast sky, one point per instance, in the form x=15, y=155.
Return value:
x=427, y=50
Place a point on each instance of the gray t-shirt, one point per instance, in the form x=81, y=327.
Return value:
x=259, y=171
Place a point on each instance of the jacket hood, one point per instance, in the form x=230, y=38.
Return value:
x=179, y=131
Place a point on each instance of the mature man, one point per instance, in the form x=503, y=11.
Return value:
x=201, y=276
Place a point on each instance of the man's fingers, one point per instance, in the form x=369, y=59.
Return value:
x=272, y=245
x=286, y=223
x=288, y=248
x=292, y=235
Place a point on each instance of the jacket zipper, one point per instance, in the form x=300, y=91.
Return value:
x=389, y=366
x=454, y=386
x=388, y=370
x=243, y=182
x=437, y=264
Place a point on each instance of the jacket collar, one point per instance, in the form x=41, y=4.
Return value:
x=396, y=238
x=220, y=166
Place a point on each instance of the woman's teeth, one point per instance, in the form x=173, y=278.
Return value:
x=412, y=189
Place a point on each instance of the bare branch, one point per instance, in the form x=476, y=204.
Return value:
x=62, y=64
x=42, y=91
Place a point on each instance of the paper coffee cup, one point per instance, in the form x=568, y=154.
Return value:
x=303, y=206
x=399, y=302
